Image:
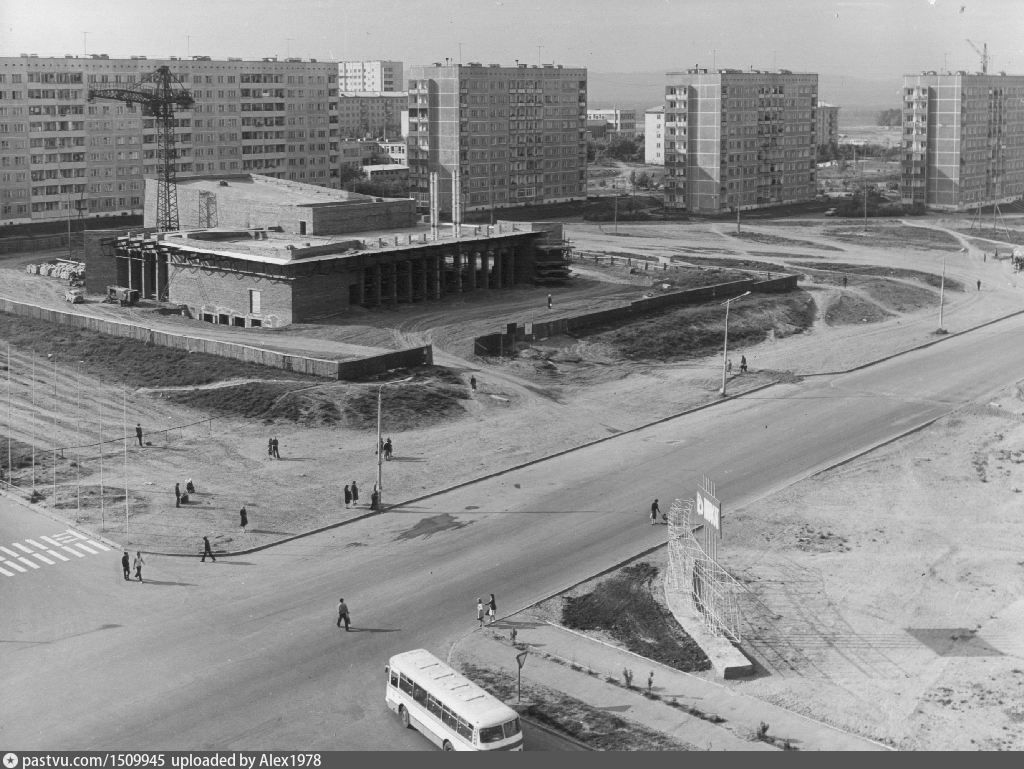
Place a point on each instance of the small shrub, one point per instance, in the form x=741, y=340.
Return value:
x=611, y=680
x=573, y=666
x=36, y=496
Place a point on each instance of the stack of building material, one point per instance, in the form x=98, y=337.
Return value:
x=64, y=270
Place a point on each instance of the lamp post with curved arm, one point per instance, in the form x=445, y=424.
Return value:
x=725, y=347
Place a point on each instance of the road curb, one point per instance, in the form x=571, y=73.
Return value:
x=556, y=733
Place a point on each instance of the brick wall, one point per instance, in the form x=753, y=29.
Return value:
x=319, y=295
x=100, y=264
x=362, y=217
x=218, y=293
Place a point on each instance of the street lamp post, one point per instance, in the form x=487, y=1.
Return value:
x=942, y=289
x=725, y=347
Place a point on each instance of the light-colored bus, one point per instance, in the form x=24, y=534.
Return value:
x=449, y=709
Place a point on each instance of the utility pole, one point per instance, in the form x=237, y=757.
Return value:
x=725, y=347
x=53, y=499
x=32, y=385
x=10, y=425
x=124, y=418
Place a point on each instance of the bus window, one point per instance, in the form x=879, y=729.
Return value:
x=405, y=684
x=434, y=707
x=464, y=729
x=492, y=734
x=394, y=678
x=449, y=719
x=419, y=694
x=511, y=728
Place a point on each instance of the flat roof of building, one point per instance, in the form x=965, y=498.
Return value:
x=265, y=189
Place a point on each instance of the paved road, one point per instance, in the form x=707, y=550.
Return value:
x=244, y=653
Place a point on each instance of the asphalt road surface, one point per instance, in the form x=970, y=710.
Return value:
x=244, y=653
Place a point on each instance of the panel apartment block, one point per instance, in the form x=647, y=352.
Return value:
x=377, y=115
x=620, y=122
x=963, y=139
x=516, y=134
x=365, y=76
x=61, y=154
x=828, y=123
x=735, y=138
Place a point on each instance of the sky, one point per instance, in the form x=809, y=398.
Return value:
x=873, y=39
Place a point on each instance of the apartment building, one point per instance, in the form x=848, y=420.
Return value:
x=61, y=154
x=515, y=135
x=827, y=130
x=654, y=136
x=373, y=114
x=621, y=122
x=369, y=76
x=736, y=138
x=963, y=139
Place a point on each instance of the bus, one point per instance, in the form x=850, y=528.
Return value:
x=446, y=707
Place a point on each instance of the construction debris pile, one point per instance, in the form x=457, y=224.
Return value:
x=62, y=268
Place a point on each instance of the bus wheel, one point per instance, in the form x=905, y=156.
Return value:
x=447, y=746
x=404, y=715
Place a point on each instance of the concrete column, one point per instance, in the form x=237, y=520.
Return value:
x=393, y=280
x=378, y=274
x=438, y=267
x=485, y=269
x=361, y=287
x=457, y=269
x=511, y=257
x=408, y=281
x=499, y=263
x=424, y=268
x=472, y=271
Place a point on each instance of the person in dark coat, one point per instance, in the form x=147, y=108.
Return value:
x=355, y=493
x=243, y=516
x=388, y=449
x=138, y=432
x=472, y=383
x=654, y=512
x=343, y=613
x=270, y=447
x=190, y=487
x=348, y=496
x=177, y=495
x=492, y=608
x=743, y=364
x=207, y=551
x=277, y=454
x=126, y=566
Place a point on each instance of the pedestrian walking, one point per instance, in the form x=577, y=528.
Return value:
x=844, y=281
x=138, y=432
x=207, y=551
x=492, y=608
x=139, y=563
x=277, y=454
x=348, y=497
x=388, y=448
x=743, y=364
x=654, y=512
x=125, y=566
x=979, y=285
x=472, y=383
x=728, y=365
x=270, y=447
x=480, y=611
x=343, y=613
x=177, y=495
x=549, y=301
x=355, y=494
x=244, y=517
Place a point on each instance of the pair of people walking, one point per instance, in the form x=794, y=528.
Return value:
x=272, y=448
x=139, y=563
x=488, y=609
x=351, y=494
x=386, y=449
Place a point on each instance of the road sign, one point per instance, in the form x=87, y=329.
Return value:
x=521, y=659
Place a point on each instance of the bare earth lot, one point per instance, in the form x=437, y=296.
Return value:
x=885, y=607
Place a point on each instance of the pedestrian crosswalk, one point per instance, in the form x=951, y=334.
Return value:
x=34, y=554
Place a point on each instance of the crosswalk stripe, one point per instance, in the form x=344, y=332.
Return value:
x=35, y=544
x=86, y=548
x=43, y=558
x=26, y=560
x=6, y=573
x=73, y=552
x=74, y=533
x=13, y=566
x=53, y=542
x=104, y=548
x=57, y=555
x=9, y=552
x=22, y=548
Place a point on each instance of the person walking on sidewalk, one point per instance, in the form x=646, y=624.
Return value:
x=472, y=383
x=492, y=608
x=177, y=495
x=348, y=497
x=139, y=563
x=480, y=611
x=355, y=494
x=743, y=364
x=207, y=550
x=126, y=566
x=138, y=432
x=243, y=517
x=654, y=512
x=343, y=614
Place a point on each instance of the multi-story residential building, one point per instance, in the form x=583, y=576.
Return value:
x=60, y=153
x=621, y=122
x=516, y=135
x=654, y=138
x=963, y=139
x=395, y=150
x=371, y=114
x=369, y=76
x=735, y=138
x=827, y=130
x=357, y=153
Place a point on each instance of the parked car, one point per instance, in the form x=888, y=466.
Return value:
x=830, y=212
x=75, y=295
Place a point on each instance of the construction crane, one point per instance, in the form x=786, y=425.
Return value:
x=160, y=93
x=983, y=54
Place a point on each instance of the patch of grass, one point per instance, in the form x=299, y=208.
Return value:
x=624, y=606
x=21, y=459
x=850, y=308
x=736, y=264
x=895, y=236
x=777, y=240
x=434, y=396
x=270, y=402
x=852, y=271
x=693, y=332
x=120, y=359
x=594, y=727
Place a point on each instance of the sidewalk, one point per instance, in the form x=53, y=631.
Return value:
x=742, y=714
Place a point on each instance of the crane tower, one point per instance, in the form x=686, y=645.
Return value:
x=160, y=93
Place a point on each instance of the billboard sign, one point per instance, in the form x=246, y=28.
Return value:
x=710, y=510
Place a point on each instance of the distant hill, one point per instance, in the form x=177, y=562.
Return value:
x=861, y=99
